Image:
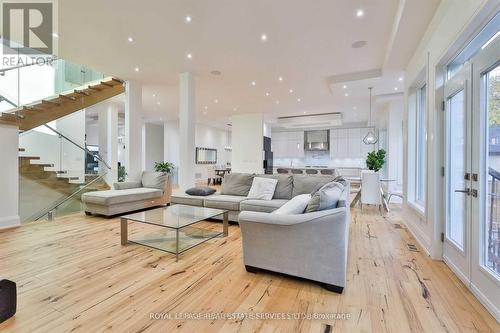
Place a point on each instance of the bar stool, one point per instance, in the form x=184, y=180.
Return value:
x=297, y=171
x=311, y=171
x=284, y=171
x=328, y=172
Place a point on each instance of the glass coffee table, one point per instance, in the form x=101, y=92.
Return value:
x=177, y=232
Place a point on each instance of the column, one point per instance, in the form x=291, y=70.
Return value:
x=171, y=147
x=108, y=142
x=9, y=182
x=186, y=130
x=134, y=154
x=248, y=143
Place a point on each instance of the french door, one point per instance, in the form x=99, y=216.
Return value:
x=472, y=175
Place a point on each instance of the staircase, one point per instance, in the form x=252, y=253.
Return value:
x=41, y=112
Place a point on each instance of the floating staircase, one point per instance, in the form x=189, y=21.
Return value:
x=38, y=113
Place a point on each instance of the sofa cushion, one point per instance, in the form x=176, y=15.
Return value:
x=154, y=179
x=126, y=185
x=265, y=206
x=284, y=187
x=190, y=200
x=237, y=184
x=200, y=190
x=303, y=184
x=229, y=202
x=113, y=197
x=326, y=198
x=297, y=205
x=262, y=188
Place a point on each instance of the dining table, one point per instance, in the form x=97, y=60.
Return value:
x=222, y=172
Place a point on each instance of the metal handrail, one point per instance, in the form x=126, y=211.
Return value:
x=98, y=157
x=62, y=201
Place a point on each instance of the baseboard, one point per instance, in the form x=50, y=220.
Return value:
x=420, y=236
x=10, y=222
x=465, y=280
x=485, y=302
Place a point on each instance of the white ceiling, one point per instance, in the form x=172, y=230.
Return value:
x=308, y=43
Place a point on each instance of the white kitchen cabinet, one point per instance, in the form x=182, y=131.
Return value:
x=288, y=144
x=354, y=142
x=334, y=143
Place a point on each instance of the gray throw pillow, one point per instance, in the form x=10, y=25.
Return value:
x=154, y=179
x=326, y=197
x=237, y=184
x=200, y=191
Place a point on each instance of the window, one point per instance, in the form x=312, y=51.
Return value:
x=420, y=141
x=417, y=145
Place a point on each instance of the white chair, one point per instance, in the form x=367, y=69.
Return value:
x=370, y=189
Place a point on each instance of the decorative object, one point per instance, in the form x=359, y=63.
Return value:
x=165, y=167
x=370, y=138
x=122, y=174
x=375, y=160
x=206, y=155
x=201, y=191
x=326, y=197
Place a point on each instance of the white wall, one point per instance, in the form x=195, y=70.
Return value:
x=247, y=141
x=9, y=182
x=153, y=145
x=450, y=28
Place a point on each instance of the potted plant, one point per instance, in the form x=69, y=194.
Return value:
x=122, y=174
x=165, y=167
x=375, y=160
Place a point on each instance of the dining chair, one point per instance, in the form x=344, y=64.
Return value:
x=283, y=171
x=311, y=171
x=297, y=171
x=212, y=176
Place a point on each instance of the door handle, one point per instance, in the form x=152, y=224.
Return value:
x=466, y=191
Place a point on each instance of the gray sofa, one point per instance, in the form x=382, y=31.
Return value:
x=235, y=188
x=154, y=189
x=312, y=246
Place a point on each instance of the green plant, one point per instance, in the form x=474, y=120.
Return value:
x=122, y=174
x=166, y=167
x=375, y=160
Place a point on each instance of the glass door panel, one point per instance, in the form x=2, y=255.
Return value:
x=491, y=223
x=457, y=169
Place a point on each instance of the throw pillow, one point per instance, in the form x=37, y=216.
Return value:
x=200, y=191
x=296, y=205
x=326, y=197
x=236, y=184
x=262, y=188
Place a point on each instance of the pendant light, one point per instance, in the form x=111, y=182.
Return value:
x=370, y=138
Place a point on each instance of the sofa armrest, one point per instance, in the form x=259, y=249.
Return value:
x=126, y=185
x=292, y=219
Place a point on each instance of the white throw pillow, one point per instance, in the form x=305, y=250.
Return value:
x=262, y=188
x=296, y=205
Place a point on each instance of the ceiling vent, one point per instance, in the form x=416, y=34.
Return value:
x=321, y=120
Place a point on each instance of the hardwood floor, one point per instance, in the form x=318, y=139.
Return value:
x=73, y=275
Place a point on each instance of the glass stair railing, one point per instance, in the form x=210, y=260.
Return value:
x=55, y=169
x=37, y=88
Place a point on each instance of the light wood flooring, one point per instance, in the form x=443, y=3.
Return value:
x=74, y=276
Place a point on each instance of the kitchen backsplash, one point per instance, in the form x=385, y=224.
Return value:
x=319, y=158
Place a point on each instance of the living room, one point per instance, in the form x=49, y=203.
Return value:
x=250, y=166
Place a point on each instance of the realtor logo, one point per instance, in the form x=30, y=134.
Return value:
x=27, y=27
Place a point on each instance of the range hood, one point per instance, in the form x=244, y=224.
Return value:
x=317, y=140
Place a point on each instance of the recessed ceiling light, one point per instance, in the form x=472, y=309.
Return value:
x=55, y=35
x=298, y=99
x=345, y=87
x=280, y=78
x=158, y=103
x=154, y=95
x=354, y=108
x=253, y=83
x=216, y=101
x=360, y=13
x=277, y=102
x=189, y=55
x=346, y=94
x=267, y=94
x=234, y=109
x=206, y=107
x=396, y=88
x=130, y=39
x=305, y=112
x=263, y=37
x=290, y=91
x=137, y=69
x=188, y=19
x=400, y=79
